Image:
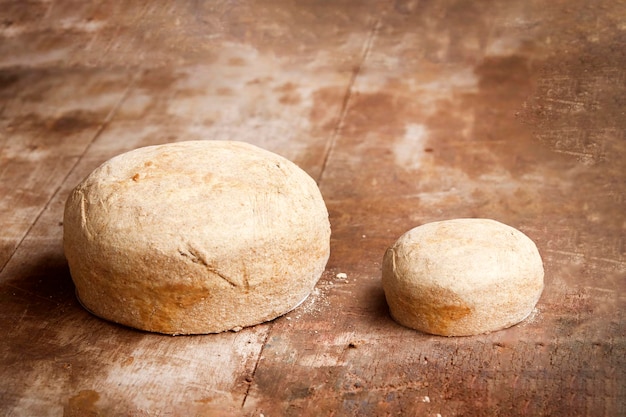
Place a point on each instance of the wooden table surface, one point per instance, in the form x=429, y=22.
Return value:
x=405, y=112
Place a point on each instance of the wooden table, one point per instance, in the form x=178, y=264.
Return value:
x=405, y=112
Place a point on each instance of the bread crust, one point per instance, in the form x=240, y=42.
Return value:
x=195, y=237
x=462, y=277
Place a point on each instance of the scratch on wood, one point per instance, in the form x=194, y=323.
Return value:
x=49, y=300
x=583, y=256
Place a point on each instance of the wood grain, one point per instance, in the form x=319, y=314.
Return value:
x=48, y=119
x=405, y=112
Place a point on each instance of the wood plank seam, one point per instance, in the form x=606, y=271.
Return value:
x=346, y=98
x=256, y=364
x=329, y=147
x=103, y=125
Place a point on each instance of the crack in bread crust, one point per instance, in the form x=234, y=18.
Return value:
x=197, y=257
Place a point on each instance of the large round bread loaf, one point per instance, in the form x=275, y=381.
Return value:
x=195, y=237
x=462, y=277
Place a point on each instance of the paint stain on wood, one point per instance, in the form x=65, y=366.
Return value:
x=83, y=404
x=7, y=79
x=73, y=122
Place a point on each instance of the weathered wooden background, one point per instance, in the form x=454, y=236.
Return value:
x=404, y=112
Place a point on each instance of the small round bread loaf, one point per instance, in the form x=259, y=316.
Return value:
x=462, y=277
x=195, y=237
